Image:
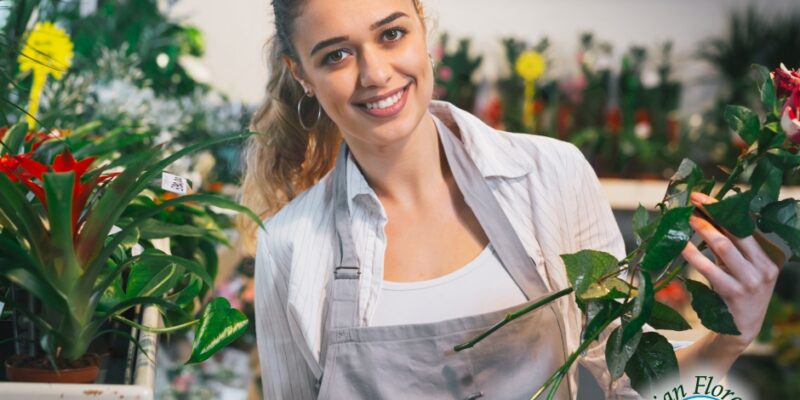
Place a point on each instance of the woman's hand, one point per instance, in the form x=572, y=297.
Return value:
x=743, y=275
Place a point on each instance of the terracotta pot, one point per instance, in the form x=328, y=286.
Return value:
x=86, y=374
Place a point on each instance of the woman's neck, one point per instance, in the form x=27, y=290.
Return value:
x=409, y=171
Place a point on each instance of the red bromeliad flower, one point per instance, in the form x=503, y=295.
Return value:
x=786, y=81
x=8, y=166
x=31, y=173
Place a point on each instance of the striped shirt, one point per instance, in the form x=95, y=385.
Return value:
x=545, y=186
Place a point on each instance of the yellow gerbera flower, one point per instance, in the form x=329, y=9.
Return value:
x=47, y=51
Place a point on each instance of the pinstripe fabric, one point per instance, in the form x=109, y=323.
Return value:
x=546, y=187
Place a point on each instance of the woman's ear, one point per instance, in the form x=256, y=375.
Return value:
x=293, y=68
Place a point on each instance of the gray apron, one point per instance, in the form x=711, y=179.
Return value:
x=417, y=361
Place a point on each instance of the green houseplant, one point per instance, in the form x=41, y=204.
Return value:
x=66, y=236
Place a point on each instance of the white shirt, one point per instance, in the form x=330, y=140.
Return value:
x=480, y=286
x=545, y=186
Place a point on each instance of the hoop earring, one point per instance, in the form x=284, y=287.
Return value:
x=300, y=114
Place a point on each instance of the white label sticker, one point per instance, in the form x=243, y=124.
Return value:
x=2, y=305
x=174, y=183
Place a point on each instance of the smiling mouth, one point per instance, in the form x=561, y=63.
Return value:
x=387, y=104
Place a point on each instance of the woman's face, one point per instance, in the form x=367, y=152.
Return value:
x=366, y=61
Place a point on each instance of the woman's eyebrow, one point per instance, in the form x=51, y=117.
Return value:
x=330, y=42
x=327, y=42
x=387, y=20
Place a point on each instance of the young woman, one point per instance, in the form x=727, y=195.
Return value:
x=397, y=227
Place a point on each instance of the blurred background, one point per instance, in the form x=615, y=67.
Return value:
x=637, y=85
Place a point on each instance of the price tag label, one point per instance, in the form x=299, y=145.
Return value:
x=174, y=183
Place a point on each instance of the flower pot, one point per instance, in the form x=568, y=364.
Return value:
x=137, y=383
x=19, y=369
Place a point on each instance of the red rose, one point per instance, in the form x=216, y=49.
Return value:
x=786, y=81
x=790, y=120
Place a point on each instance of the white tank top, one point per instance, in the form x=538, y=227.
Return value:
x=479, y=287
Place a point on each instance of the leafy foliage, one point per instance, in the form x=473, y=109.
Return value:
x=604, y=286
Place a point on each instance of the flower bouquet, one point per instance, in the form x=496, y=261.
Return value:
x=607, y=289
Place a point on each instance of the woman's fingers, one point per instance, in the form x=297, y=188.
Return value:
x=748, y=246
x=722, y=283
x=726, y=251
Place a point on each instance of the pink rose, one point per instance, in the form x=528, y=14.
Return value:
x=786, y=81
x=790, y=120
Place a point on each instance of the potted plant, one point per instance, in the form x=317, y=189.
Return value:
x=67, y=236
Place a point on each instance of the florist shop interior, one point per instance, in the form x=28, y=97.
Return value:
x=124, y=267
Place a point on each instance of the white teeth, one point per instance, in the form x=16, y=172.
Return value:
x=385, y=103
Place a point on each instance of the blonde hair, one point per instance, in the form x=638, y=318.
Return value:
x=283, y=159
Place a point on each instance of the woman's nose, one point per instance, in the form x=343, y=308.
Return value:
x=374, y=70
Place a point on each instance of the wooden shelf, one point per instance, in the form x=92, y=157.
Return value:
x=627, y=194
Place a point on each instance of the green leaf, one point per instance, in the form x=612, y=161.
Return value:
x=642, y=306
x=37, y=285
x=152, y=278
x=155, y=229
x=187, y=294
x=26, y=222
x=158, y=257
x=219, y=326
x=782, y=218
x=669, y=239
x=744, y=122
x=711, y=309
x=58, y=189
x=11, y=248
x=642, y=229
x=733, y=213
x=597, y=313
x=664, y=317
x=139, y=218
x=107, y=210
x=771, y=138
x=611, y=288
x=687, y=179
x=652, y=364
x=766, y=88
x=135, y=301
x=14, y=138
x=586, y=267
x=618, y=352
x=765, y=182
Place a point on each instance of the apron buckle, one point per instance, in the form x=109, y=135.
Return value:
x=343, y=272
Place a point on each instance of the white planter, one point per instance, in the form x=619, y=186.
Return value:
x=140, y=375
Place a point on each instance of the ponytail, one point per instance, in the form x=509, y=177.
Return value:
x=283, y=159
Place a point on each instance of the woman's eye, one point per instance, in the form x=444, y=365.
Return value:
x=393, y=34
x=335, y=56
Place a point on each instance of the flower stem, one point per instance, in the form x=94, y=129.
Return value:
x=554, y=378
x=512, y=316
x=737, y=170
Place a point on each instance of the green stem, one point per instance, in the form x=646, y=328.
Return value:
x=575, y=354
x=167, y=329
x=737, y=170
x=512, y=316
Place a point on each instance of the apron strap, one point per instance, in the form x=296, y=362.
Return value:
x=479, y=197
x=344, y=291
